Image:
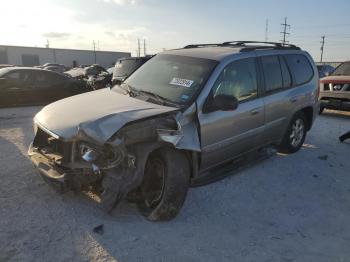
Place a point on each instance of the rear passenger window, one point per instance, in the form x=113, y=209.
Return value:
x=272, y=73
x=287, y=79
x=300, y=67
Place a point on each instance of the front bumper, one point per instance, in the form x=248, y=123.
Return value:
x=50, y=172
x=335, y=104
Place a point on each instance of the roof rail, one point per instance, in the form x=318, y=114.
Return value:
x=247, y=46
x=200, y=45
x=265, y=44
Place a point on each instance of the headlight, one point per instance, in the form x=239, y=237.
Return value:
x=105, y=158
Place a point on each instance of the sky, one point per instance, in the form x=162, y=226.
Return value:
x=115, y=25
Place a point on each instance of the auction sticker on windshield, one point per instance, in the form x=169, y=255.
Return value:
x=181, y=82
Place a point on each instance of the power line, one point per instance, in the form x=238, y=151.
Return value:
x=285, y=33
x=322, y=47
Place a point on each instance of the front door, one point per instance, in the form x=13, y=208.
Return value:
x=227, y=134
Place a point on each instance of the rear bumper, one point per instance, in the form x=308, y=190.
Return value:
x=51, y=173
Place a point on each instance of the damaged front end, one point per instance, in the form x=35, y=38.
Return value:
x=113, y=167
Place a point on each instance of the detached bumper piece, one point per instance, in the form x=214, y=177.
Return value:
x=52, y=175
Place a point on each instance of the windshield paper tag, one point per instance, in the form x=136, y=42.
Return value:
x=181, y=82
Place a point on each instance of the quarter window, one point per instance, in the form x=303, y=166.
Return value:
x=300, y=67
x=238, y=79
x=272, y=73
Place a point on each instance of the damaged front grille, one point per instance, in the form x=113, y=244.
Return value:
x=53, y=148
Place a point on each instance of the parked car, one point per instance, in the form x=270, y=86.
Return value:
x=126, y=66
x=33, y=86
x=335, y=89
x=175, y=120
x=324, y=70
x=5, y=65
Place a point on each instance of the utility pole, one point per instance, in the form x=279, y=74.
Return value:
x=144, y=46
x=267, y=30
x=138, y=48
x=285, y=33
x=94, y=44
x=47, y=43
x=322, y=47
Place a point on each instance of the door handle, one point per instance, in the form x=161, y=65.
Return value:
x=293, y=99
x=255, y=111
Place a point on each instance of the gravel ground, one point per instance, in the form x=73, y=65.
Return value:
x=286, y=208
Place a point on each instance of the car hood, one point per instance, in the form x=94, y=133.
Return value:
x=341, y=79
x=97, y=115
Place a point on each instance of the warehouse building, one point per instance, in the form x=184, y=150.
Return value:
x=33, y=56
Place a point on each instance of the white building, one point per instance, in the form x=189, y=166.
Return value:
x=32, y=56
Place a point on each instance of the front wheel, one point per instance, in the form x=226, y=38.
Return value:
x=295, y=135
x=165, y=184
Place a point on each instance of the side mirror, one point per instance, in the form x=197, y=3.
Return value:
x=225, y=102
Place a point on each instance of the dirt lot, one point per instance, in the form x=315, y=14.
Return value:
x=286, y=208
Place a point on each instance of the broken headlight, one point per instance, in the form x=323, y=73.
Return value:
x=105, y=157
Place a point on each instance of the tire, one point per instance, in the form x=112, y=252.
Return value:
x=165, y=185
x=321, y=110
x=292, y=143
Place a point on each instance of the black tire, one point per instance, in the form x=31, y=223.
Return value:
x=321, y=110
x=165, y=184
x=289, y=145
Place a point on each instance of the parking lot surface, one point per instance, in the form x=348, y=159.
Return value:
x=286, y=208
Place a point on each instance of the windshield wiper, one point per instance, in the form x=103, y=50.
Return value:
x=160, y=99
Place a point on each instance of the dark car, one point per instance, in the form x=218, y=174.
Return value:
x=335, y=89
x=324, y=70
x=33, y=86
x=126, y=66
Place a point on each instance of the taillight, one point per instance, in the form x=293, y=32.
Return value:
x=318, y=89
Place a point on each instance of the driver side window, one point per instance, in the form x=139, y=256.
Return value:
x=238, y=79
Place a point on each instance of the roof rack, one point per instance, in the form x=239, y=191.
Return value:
x=201, y=45
x=247, y=45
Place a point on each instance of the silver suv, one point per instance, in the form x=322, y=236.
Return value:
x=181, y=115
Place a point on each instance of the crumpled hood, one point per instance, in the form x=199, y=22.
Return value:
x=98, y=114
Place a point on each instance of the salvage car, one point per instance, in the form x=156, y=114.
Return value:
x=324, y=70
x=335, y=89
x=175, y=121
x=33, y=86
x=126, y=66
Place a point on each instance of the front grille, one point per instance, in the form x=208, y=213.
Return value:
x=51, y=146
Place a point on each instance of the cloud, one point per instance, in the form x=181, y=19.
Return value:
x=123, y=2
x=56, y=34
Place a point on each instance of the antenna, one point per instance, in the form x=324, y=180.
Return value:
x=285, y=33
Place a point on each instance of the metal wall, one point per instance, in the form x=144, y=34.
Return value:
x=15, y=55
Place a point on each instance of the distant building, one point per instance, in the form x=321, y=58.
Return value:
x=32, y=56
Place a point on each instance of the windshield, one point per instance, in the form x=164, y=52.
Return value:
x=175, y=78
x=343, y=69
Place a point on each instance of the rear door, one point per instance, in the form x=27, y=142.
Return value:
x=227, y=134
x=286, y=80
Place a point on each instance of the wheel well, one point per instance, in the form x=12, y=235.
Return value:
x=308, y=112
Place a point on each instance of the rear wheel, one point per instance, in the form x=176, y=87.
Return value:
x=295, y=135
x=165, y=184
